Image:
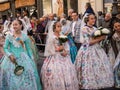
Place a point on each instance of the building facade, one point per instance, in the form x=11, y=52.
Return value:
x=44, y=7
x=97, y=5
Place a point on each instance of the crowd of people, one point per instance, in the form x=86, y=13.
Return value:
x=82, y=62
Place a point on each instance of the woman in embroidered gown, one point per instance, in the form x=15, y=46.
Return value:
x=58, y=72
x=66, y=31
x=116, y=37
x=17, y=49
x=92, y=65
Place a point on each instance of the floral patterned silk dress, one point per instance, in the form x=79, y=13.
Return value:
x=58, y=72
x=116, y=67
x=92, y=65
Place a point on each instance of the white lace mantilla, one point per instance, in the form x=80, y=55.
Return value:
x=14, y=41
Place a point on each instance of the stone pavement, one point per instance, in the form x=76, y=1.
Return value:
x=40, y=62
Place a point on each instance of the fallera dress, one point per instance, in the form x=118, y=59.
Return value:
x=29, y=79
x=93, y=67
x=58, y=72
x=116, y=67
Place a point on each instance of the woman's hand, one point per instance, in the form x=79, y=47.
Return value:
x=102, y=37
x=99, y=38
x=59, y=48
x=64, y=53
x=12, y=58
x=96, y=40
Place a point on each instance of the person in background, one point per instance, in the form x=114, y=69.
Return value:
x=33, y=46
x=106, y=22
x=45, y=17
x=7, y=24
x=112, y=47
x=26, y=21
x=33, y=22
x=70, y=11
x=18, y=15
x=39, y=36
x=100, y=18
x=75, y=29
x=49, y=23
x=89, y=9
x=94, y=70
x=66, y=31
x=116, y=37
x=48, y=28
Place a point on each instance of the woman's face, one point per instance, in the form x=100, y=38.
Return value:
x=91, y=20
x=58, y=27
x=117, y=26
x=16, y=25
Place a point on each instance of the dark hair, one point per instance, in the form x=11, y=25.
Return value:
x=100, y=13
x=27, y=13
x=88, y=5
x=54, y=25
x=30, y=32
x=89, y=9
x=63, y=22
x=18, y=12
x=75, y=12
x=86, y=19
x=20, y=22
x=116, y=21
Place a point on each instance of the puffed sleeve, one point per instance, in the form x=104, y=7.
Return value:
x=7, y=46
x=85, y=35
x=28, y=48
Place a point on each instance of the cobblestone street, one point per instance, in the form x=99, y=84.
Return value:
x=40, y=62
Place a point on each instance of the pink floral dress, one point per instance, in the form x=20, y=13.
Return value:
x=93, y=67
x=58, y=72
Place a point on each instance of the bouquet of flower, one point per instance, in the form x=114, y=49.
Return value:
x=18, y=69
x=62, y=39
x=101, y=31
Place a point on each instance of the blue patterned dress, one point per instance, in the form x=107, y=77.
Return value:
x=29, y=79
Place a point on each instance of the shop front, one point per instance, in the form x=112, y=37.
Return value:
x=112, y=6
